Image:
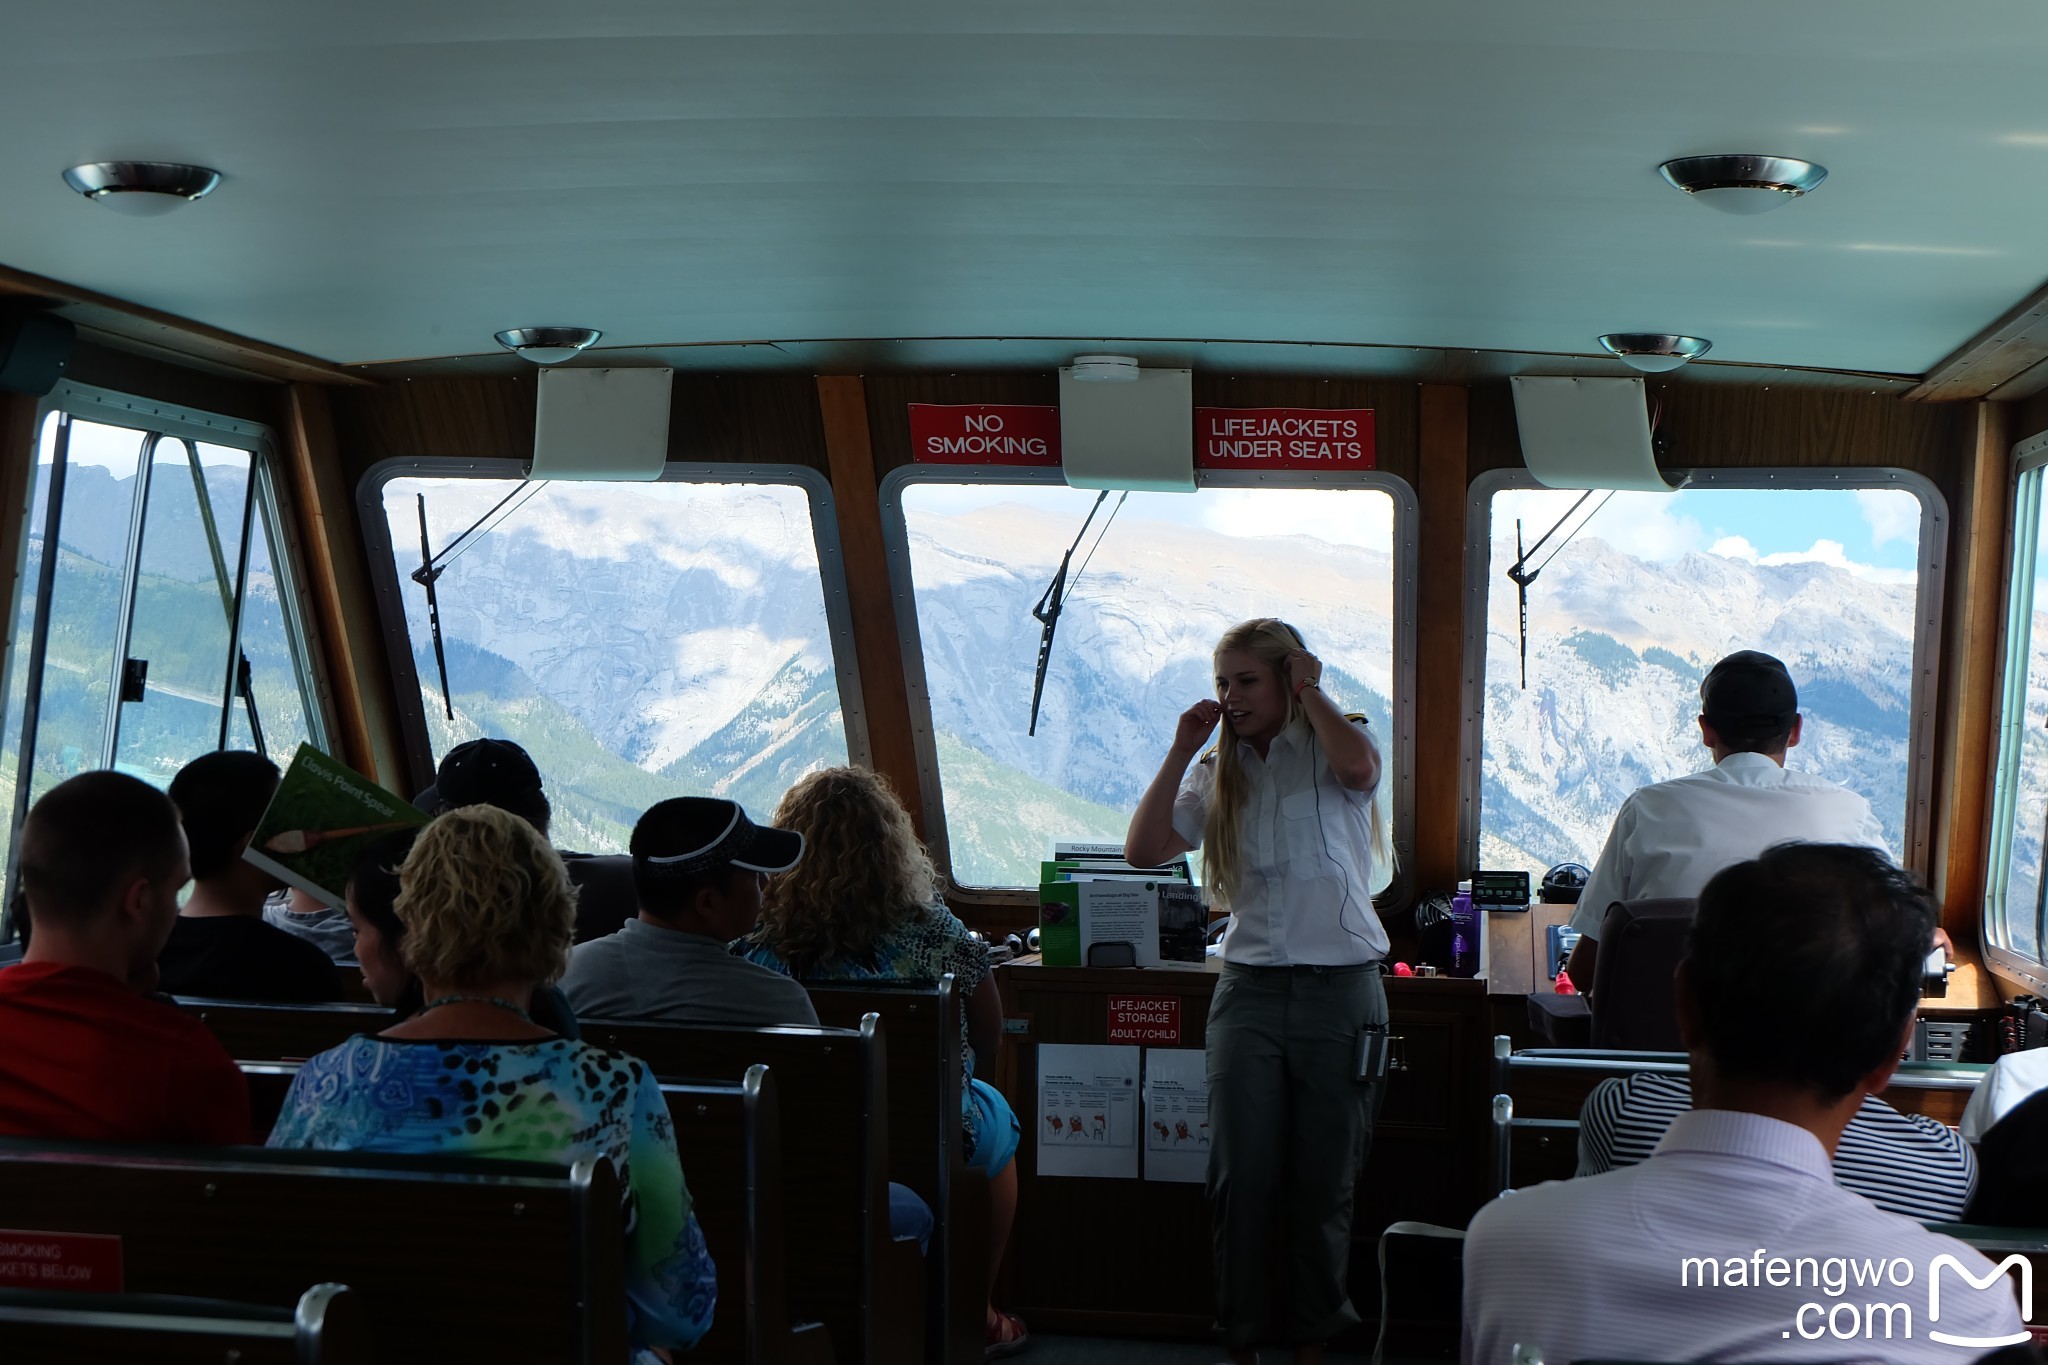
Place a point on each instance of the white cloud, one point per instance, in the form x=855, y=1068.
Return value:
x=1892, y=513
x=1828, y=552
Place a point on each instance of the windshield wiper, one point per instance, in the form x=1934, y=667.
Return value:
x=1055, y=598
x=1522, y=575
x=432, y=566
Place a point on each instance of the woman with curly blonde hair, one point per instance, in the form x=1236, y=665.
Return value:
x=864, y=905
x=487, y=915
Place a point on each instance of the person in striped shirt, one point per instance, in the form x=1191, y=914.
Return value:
x=1904, y=1163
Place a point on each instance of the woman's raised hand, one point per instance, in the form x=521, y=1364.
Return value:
x=1197, y=723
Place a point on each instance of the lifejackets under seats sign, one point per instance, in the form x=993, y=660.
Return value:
x=1321, y=439
x=985, y=433
x=87, y=1262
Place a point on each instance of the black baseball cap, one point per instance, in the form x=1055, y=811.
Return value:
x=485, y=772
x=689, y=835
x=1749, y=691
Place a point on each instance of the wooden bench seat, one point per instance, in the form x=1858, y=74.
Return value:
x=927, y=1150
x=42, y=1328
x=451, y=1259
x=844, y=1268
x=731, y=1145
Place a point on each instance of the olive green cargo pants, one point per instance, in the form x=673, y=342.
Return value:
x=1290, y=1122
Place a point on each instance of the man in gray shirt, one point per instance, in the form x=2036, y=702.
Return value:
x=697, y=869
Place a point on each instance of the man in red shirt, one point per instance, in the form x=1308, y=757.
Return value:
x=84, y=1053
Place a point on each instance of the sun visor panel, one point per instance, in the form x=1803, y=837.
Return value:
x=602, y=424
x=1587, y=433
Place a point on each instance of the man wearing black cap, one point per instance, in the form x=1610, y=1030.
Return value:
x=697, y=867
x=497, y=772
x=1669, y=839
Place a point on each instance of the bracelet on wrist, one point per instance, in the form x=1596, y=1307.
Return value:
x=1305, y=684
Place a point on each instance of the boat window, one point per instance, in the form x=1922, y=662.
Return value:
x=1634, y=596
x=640, y=640
x=166, y=630
x=2016, y=917
x=1153, y=582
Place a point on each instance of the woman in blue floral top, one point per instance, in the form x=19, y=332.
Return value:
x=488, y=915
x=864, y=905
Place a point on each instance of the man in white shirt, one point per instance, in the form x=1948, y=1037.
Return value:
x=1733, y=1242
x=1669, y=838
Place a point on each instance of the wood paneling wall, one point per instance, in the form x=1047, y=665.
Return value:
x=17, y=482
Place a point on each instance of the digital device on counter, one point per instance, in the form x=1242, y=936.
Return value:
x=1500, y=890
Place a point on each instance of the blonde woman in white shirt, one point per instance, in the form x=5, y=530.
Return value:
x=1283, y=807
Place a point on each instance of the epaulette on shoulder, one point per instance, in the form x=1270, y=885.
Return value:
x=1209, y=759
x=1357, y=717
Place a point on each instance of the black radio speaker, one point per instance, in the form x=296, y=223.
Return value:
x=34, y=346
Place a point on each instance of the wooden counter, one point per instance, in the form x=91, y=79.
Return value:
x=1132, y=1256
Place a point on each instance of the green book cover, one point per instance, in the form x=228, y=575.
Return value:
x=317, y=824
x=1059, y=924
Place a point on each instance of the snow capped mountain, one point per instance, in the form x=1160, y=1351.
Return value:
x=677, y=637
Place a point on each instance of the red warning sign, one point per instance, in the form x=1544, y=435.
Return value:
x=82, y=1261
x=1149, y=1019
x=985, y=433
x=1323, y=439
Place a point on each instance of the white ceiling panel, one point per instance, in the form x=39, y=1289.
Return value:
x=402, y=180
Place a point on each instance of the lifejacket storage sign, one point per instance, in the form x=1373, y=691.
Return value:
x=1320, y=439
x=985, y=433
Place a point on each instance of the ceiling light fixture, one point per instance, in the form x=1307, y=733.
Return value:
x=1106, y=369
x=548, y=345
x=1743, y=184
x=141, y=189
x=1654, y=352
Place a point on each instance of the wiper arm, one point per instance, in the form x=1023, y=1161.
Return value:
x=426, y=575
x=1522, y=575
x=1055, y=599
x=432, y=566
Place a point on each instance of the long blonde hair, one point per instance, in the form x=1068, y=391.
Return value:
x=863, y=876
x=1269, y=640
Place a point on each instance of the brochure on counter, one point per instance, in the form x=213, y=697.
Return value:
x=1089, y=894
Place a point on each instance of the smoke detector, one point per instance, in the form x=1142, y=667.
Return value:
x=1743, y=183
x=1654, y=352
x=547, y=345
x=141, y=189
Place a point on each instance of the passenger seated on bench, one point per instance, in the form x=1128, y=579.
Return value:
x=488, y=913
x=86, y=1055
x=698, y=865
x=864, y=905
x=323, y=926
x=1904, y=1163
x=1670, y=837
x=2013, y=1192
x=1714, y=1248
x=378, y=937
x=498, y=772
x=221, y=947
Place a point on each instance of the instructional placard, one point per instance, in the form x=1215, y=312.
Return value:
x=1176, y=1114
x=1088, y=1110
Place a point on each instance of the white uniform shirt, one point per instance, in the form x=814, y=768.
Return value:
x=1304, y=893
x=1612, y=1267
x=2012, y=1079
x=1671, y=838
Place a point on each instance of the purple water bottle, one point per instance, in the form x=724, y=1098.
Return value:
x=1464, y=933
